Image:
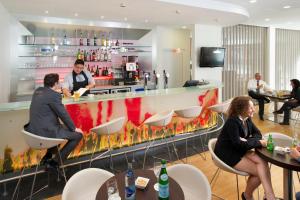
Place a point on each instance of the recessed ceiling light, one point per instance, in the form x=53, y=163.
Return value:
x=252, y=1
x=128, y=26
x=102, y=17
x=286, y=7
x=91, y=24
x=76, y=14
x=125, y=18
x=123, y=5
x=146, y=20
x=267, y=19
x=46, y=12
x=183, y=27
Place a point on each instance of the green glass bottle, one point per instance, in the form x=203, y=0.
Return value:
x=270, y=144
x=163, y=188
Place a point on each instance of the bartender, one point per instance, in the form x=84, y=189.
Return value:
x=79, y=78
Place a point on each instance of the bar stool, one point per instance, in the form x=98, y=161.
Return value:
x=159, y=120
x=190, y=113
x=107, y=129
x=221, y=109
x=40, y=143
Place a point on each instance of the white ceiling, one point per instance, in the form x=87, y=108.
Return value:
x=216, y=12
x=136, y=11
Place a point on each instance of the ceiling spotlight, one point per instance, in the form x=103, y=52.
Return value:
x=125, y=18
x=76, y=14
x=252, y=1
x=123, y=5
x=128, y=26
x=46, y=12
x=102, y=17
x=267, y=19
x=91, y=24
x=286, y=7
x=146, y=20
x=183, y=27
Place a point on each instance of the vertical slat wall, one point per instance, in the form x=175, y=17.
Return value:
x=245, y=55
x=287, y=57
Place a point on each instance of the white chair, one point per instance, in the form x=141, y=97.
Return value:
x=85, y=184
x=277, y=135
x=40, y=143
x=190, y=113
x=108, y=129
x=221, y=165
x=193, y=182
x=160, y=120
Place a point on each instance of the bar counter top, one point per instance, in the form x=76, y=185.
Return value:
x=106, y=97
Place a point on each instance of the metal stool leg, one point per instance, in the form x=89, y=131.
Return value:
x=32, y=187
x=175, y=149
x=62, y=165
x=17, y=186
x=237, y=186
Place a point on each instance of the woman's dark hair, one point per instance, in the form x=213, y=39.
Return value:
x=239, y=106
x=79, y=62
x=51, y=79
x=296, y=83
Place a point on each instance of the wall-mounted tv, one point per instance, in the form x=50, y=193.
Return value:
x=212, y=57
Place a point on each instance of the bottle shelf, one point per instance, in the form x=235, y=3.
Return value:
x=46, y=56
x=113, y=47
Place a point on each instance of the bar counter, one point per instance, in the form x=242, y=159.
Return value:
x=89, y=112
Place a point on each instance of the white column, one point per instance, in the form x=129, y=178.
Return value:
x=271, y=57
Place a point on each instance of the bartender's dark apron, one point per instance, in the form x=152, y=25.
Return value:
x=82, y=84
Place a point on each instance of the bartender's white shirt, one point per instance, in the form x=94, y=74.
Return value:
x=68, y=80
x=252, y=85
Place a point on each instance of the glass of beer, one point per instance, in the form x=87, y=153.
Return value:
x=76, y=96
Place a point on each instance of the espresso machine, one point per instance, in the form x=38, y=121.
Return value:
x=130, y=70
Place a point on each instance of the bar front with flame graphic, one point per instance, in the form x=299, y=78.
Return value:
x=15, y=154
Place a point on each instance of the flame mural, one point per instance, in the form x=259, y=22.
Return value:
x=89, y=115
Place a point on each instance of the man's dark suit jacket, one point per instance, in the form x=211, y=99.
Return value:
x=230, y=146
x=45, y=111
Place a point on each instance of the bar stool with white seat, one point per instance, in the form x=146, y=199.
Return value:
x=107, y=129
x=85, y=184
x=40, y=143
x=190, y=113
x=159, y=120
x=221, y=165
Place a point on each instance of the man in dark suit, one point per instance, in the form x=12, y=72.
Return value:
x=46, y=110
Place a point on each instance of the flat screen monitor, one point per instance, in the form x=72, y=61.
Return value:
x=212, y=57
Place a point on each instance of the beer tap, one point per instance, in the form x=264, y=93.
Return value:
x=156, y=77
x=146, y=76
x=166, y=79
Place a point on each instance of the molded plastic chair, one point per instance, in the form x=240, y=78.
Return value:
x=161, y=120
x=108, y=129
x=190, y=113
x=193, y=182
x=277, y=135
x=221, y=165
x=40, y=143
x=85, y=184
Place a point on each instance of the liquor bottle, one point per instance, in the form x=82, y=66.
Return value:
x=81, y=40
x=117, y=43
x=98, y=54
x=88, y=56
x=88, y=68
x=52, y=38
x=88, y=41
x=84, y=55
x=93, y=56
x=109, y=56
x=102, y=56
x=103, y=43
x=270, y=144
x=78, y=54
x=129, y=184
x=65, y=40
x=163, y=182
x=92, y=71
x=81, y=55
x=105, y=56
x=107, y=40
x=97, y=71
x=95, y=40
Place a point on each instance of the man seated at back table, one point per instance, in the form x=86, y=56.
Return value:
x=255, y=87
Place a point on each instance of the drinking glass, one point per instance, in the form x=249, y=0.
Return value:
x=156, y=170
x=76, y=96
x=112, y=189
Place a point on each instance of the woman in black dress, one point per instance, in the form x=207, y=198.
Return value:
x=238, y=136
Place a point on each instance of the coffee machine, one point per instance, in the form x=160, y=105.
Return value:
x=130, y=69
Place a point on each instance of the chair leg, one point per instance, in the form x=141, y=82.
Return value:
x=32, y=187
x=91, y=160
x=237, y=186
x=17, y=186
x=175, y=149
x=145, y=154
x=214, y=176
x=62, y=165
